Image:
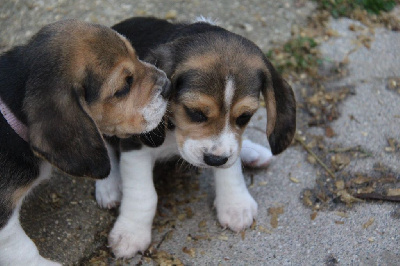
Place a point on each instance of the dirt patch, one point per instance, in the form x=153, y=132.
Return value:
x=318, y=104
x=177, y=186
x=349, y=188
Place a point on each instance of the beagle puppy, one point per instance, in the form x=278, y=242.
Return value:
x=217, y=78
x=71, y=83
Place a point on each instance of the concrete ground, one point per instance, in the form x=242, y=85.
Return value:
x=64, y=221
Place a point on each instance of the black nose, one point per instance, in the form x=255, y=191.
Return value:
x=213, y=160
x=166, y=89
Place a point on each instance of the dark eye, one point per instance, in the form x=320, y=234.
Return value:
x=195, y=115
x=126, y=89
x=243, y=119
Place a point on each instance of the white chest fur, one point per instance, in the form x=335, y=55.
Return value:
x=168, y=149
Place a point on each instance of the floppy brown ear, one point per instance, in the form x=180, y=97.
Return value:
x=62, y=132
x=281, y=110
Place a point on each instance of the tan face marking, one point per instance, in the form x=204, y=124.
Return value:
x=207, y=61
x=109, y=59
x=247, y=104
x=141, y=108
x=185, y=128
x=125, y=115
x=227, y=79
x=219, y=135
x=199, y=62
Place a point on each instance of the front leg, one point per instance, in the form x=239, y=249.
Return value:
x=236, y=208
x=108, y=190
x=132, y=230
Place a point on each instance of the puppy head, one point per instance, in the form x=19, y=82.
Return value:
x=85, y=80
x=217, y=83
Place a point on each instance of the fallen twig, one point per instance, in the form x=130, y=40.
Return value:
x=163, y=238
x=298, y=139
x=351, y=149
x=376, y=196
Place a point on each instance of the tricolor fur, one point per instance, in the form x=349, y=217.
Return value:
x=217, y=78
x=69, y=85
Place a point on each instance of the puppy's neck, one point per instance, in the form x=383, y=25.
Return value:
x=19, y=127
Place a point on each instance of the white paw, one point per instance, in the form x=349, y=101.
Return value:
x=237, y=211
x=126, y=238
x=255, y=155
x=108, y=192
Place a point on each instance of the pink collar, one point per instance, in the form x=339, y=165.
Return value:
x=13, y=121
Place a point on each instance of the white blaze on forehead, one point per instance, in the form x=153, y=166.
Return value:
x=226, y=141
x=227, y=138
x=224, y=144
x=229, y=92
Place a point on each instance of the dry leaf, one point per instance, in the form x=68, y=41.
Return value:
x=393, y=192
x=294, y=180
x=202, y=223
x=243, y=234
x=162, y=258
x=189, y=251
x=264, y=230
x=394, y=145
x=365, y=190
x=331, y=33
x=253, y=225
x=263, y=183
x=307, y=198
x=189, y=212
x=311, y=159
x=223, y=237
x=340, y=161
x=360, y=180
x=394, y=84
x=346, y=197
x=329, y=132
x=181, y=217
x=313, y=215
x=339, y=184
x=342, y=214
x=275, y=212
x=368, y=223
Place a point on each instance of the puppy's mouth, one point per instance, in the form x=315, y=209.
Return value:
x=154, y=112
